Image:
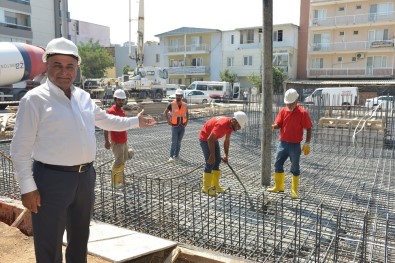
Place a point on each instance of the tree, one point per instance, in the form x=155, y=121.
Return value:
x=126, y=69
x=228, y=76
x=94, y=59
x=278, y=79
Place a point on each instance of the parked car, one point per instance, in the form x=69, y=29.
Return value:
x=194, y=96
x=91, y=84
x=385, y=102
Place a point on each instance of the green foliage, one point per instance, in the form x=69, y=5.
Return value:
x=278, y=79
x=95, y=59
x=256, y=81
x=228, y=76
x=126, y=69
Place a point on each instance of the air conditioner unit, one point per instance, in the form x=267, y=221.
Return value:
x=360, y=55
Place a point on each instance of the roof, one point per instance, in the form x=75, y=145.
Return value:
x=187, y=30
x=377, y=82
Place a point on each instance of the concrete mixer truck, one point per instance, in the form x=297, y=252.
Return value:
x=21, y=69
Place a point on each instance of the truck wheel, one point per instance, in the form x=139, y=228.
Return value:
x=204, y=101
x=20, y=95
x=158, y=97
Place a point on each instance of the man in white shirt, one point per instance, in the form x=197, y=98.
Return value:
x=55, y=126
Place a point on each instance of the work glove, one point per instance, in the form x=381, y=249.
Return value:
x=306, y=148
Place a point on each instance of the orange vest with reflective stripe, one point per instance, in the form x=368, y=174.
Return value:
x=178, y=114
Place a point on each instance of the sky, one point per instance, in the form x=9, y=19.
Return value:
x=161, y=16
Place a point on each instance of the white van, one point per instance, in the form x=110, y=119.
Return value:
x=215, y=89
x=334, y=96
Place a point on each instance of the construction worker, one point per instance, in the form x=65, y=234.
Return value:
x=108, y=94
x=117, y=85
x=118, y=141
x=291, y=120
x=214, y=129
x=176, y=115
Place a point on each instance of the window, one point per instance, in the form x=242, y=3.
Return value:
x=339, y=59
x=355, y=32
x=157, y=58
x=317, y=63
x=230, y=61
x=278, y=36
x=201, y=87
x=320, y=14
x=250, y=36
x=341, y=33
x=197, y=62
x=232, y=39
x=358, y=7
x=247, y=60
x=341, y=8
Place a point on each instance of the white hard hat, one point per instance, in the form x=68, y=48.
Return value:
x=291, y=96
x=179, y=92
x=241, y=118
x=61, y=46
x=120, y=94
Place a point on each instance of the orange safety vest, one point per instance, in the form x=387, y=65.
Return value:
x=178, y=113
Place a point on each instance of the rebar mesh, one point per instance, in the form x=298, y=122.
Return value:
x=345, y=212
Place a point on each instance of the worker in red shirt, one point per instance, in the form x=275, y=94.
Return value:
x=213, y=130
x=118, y=141
x=291, y=120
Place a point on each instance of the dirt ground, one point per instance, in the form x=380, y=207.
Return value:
x=16, y=247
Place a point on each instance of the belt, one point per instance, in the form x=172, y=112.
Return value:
x=82, y=168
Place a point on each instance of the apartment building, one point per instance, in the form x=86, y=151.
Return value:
x=349, y=42
x=242, y=51
x=202, y=54
x=191, y=54
x=31, y=22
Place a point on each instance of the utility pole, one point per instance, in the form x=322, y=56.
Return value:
x=267, y=92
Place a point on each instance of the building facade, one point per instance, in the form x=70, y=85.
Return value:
x=31, y=22
x=242, y=51
x=191, y=54
x=347, y=43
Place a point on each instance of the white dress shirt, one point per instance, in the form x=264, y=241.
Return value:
x=53, y=129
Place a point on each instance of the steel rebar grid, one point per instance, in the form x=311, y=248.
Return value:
x=345, y=214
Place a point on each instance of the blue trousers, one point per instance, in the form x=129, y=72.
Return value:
x=285, y=150
x=177, y=133
x=66, y=203
x=206, y=152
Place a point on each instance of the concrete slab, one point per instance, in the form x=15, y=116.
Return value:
x=118, y=244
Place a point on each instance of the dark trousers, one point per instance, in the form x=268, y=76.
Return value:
x=66, y=203
x=206, y=152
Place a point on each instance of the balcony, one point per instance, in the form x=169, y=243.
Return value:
x=189, y=70
x=351, y=46
x=329, y=1
x=191, y=49
x=350, y=72
x=352, y=20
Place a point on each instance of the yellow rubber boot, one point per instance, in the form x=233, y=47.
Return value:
x=215, y=181
x=207, y=187
x=279, y=179
x=295, y=186
x=117, y=178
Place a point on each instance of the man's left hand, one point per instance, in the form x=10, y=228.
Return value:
x=145, y=121
x=306, y=149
